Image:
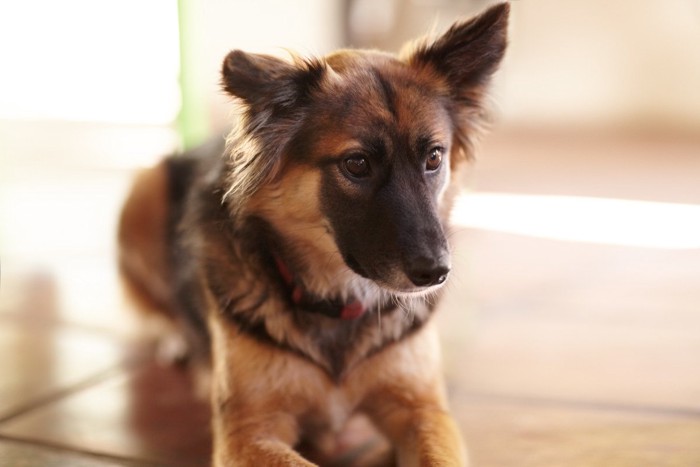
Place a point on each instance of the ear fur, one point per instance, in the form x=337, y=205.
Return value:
x=464, y=59
x=274, y=94
x=263, y=80
x=469, y=52
x=252, y=76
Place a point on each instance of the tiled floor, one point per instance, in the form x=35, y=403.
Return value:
x=557, y=353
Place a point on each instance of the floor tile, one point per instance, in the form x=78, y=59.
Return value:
x=502, y=434
x=148, y=414
x=575, y=322
x=38, y=362
x=20, y=454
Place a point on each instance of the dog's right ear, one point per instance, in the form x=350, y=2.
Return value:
x=261, y=80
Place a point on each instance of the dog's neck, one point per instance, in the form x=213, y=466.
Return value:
x=302, y=298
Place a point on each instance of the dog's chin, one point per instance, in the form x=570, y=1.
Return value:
x=408, y=291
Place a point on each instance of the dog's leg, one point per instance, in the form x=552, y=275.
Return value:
x=409, y=405
x=255, y=394
x=253, y=431
x=422, y=431
x=262, y=440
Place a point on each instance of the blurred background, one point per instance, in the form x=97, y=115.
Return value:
x=572, y=322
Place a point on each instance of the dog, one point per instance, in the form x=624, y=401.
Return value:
x=301, y=257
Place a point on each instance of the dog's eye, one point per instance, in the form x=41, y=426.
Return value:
x=434, y=159
x=357, y=166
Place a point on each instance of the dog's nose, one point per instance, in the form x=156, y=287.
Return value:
x=425, y=272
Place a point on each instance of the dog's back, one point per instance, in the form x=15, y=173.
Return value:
x=152, y=262
x=143, y=249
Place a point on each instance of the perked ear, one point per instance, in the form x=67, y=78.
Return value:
x=469, y=52
x=266, y=80
x=275, y=93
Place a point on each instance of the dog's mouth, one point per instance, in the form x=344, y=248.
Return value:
x=411, y=290
x=401, y=283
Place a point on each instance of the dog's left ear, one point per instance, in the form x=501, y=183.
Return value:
x=274, y=93
x=469, y=52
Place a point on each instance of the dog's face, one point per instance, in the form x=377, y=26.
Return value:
x=373, y=139
x=385, y=166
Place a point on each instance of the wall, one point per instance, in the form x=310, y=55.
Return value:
x=309, y=27
x=574, y=62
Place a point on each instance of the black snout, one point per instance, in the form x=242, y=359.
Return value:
x=424, y=271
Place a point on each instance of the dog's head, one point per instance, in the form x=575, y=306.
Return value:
x=352, y=155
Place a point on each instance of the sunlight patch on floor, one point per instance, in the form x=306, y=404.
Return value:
x=583, y=219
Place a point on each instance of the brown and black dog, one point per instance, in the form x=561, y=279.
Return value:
x=301, y=258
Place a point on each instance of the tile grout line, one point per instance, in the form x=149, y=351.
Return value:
x=136, y=462
x=685, y=412
x=65, y=392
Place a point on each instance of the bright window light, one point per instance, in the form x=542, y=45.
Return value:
x=582, y=219
x=86, y=60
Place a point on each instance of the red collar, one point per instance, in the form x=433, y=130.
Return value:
x=301, y=298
